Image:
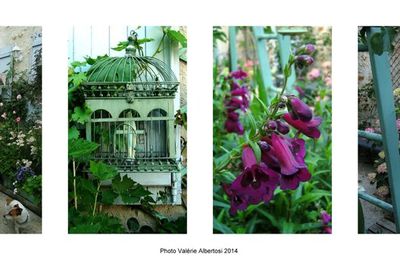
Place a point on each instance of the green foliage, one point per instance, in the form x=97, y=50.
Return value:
x=81, y=114
x=21, y=131
x=296, y=211
x=102, y=171
x=218, y=35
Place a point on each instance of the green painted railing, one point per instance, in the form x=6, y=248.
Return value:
x=284, y=42
x=380, y=66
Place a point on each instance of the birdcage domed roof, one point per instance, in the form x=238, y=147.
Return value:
x=130, y=69
x=131, y=76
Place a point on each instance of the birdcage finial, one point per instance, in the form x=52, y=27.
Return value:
x=130, y=50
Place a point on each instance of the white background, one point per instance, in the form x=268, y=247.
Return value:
x=57, y=17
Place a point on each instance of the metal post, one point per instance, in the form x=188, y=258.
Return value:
x=232, y=48
x=380, y=66
x=284, y=53
x=262, y=53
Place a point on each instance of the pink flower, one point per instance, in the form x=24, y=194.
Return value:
x=18, y=119
x=370, y=130
x=313, y=74
x=328, y=81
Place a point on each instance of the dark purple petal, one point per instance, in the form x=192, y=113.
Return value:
x=326, y=218
x=242, y=91
x=291, y=182
x=234, y=126
x=239, y=74
x=234, y=116
x=308, y=128
x=288, y=164
x=300, y=109
x=248, y=157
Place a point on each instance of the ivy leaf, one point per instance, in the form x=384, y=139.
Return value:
x=108, y=196
x=102, y=171
x=73, y=133
x=123, y=184
x=78, y=148
x=177, y=36
x=78, y=78
x=121, y=46
x=144, y=40
x=81, y=114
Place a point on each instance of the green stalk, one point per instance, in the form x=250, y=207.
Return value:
x=75, y=195
x=95, y=199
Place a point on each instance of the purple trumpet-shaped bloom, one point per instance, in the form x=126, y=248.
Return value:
x=234, y=126
x=310, y=128
x=291, y=182
x=293, y=152
x=255, y=184
x=239, y=74
x=300, y=110
x=326, y=220
x=290, y=161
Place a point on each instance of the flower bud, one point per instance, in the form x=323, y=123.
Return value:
x=300, y=109
x=283, y=128
x=264, y=146
x=271, y=124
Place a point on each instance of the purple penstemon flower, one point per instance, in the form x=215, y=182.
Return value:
x=238, y=99
x=326, y=220
x=239, y=74
x=309, y=129
x=255, y=184
x=288, y=161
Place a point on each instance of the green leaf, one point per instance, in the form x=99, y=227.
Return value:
x=218, y=226
x=78, y=78
x=256, y=150
x=177, y=36
x=123, y=184
x=144, y=40
x=85, y=229
x=108, y=196
x=102, y=171
x=80, y=148
x=81, y=114
x=121, y=46
x=220, y=204
x=87, y=185
x=73, y=133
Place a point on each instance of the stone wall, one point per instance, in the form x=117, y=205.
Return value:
x=23, y=37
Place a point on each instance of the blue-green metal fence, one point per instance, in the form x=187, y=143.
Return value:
x=380, y=66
